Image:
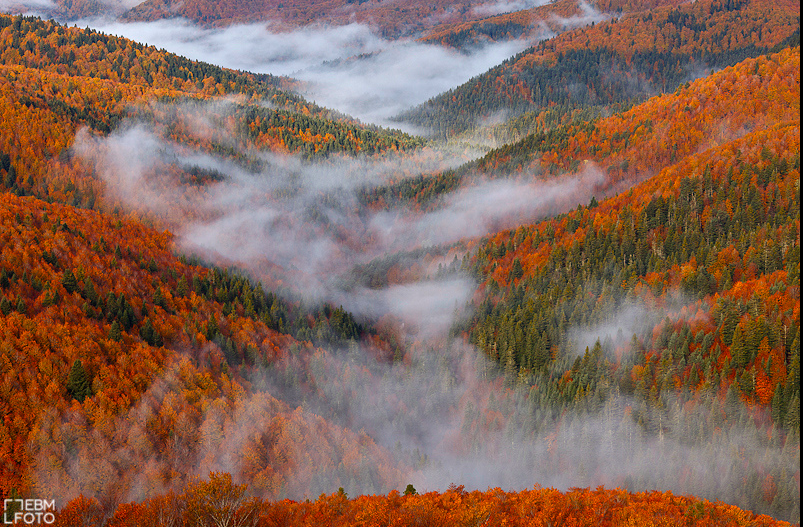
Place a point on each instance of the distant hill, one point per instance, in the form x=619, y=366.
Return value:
x=609, y=63
x=531, y=24
x=535, y=23
x=59, y=79
x=449, y=22
x=396, y=19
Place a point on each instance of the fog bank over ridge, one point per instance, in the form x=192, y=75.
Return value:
x=347, y=68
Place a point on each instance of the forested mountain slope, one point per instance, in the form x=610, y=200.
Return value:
x=693, y=274
x=631, y=145
x=620, y=61
x=689, y=279
x=531, y=24
x=58, y=80
x=658, y=320
x=534, y=23
x=96, y=307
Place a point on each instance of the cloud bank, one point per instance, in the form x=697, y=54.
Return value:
x=348, y=68
x=507, y=6
x=305, y=218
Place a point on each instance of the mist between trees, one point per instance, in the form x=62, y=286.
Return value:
x=442, y=412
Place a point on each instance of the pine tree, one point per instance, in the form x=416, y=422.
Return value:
x=792, y=419
x=182, y=288
x=729, y=323
x=77, y=383
x=68, y=281
x=516, y=271
x=149, y=334
x=159, y=299
x=778, y=409
x=114, y=332
x=739, y=351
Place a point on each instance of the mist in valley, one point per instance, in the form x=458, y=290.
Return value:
x=443, y=413
x=305, y=217
x=348, y=68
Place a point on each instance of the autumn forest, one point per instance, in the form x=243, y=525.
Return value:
x=410, y=263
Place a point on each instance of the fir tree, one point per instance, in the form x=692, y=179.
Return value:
x=78, y=383
x=114, y=332
x=68, y=281
x=5, y=306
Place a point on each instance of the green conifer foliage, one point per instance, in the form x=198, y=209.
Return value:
x=68, y=281
x=78, y=384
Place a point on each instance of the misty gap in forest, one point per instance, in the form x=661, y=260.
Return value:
x=414, y=410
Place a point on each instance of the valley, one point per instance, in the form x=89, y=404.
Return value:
x=461, y=262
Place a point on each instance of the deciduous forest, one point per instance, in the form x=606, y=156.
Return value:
x=564, y=292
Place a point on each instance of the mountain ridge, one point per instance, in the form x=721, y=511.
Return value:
x=648, y=309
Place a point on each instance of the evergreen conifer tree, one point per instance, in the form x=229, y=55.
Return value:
x=69, y=281
x=78, y=383
x=115, y=333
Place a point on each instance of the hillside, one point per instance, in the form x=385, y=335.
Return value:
x=629, y=146
x=464, y=23
x=709, y=246
x=609, y=64
x=94, y=310
x=220, y=302
x=399, y=19
x=530, y=24
x=95, y=307
x=688, y=280
x=456, y=506
x=533, y=24
x=59, y=80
